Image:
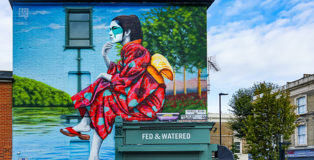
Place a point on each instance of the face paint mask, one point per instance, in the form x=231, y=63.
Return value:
x=116, y=32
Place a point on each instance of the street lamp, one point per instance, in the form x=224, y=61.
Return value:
x=220, y=94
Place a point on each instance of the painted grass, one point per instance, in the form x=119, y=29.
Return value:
x=181, y=102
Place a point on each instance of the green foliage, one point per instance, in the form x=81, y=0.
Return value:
x=241, y=108
x=118, y=47
x=31, y=93
x=271, y=115
x=178, y=33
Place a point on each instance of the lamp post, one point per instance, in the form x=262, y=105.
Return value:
x=220, y=94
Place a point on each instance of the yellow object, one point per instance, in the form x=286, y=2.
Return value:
x=157, y=76
x=161, y=64
x=167, y=115
x=160, y=67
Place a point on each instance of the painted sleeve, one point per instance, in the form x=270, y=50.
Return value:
x=135, y=65
x=114, y=68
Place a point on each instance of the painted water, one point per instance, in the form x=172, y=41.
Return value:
x=36, y=136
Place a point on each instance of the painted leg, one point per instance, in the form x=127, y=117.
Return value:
x=84, y=125
x=95, y=147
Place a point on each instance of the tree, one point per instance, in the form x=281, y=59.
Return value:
x=241, y=109
x=178, y=33
x=272, y=115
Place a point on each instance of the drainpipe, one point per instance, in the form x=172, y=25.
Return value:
x=79, y=80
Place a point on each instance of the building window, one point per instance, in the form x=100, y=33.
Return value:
x=301, y=104
x=302, y=134
x=237, y=146
x=78, y=28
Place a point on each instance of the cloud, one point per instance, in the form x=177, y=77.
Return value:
x=269, y=3
x=144, y=10
x=40, y=12
x=20, y=23
x=117, y=10
x=238, y=6
x=51, y=26
x=5, y=36
x=301, y=13
x=55, y=26
x=99, y=19
x=278, y=52
x=28, y=29
x=101, y=26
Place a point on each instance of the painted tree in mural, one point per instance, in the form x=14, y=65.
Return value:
x=178, y=33
x=31, y=93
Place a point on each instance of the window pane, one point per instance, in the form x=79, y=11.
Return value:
x=79, y=43
x=301, y=109
x=237, y=147
x=79, y=30
x=79, y=16
x=301, y=101
x=302, y=134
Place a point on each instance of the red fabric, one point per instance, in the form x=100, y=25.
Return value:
x=72, y=131
x=132, y=93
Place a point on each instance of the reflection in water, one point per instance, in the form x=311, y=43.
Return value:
x=36, y=135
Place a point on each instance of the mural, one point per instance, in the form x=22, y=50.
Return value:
x=77, y=68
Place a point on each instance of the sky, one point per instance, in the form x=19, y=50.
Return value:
x=252, y=41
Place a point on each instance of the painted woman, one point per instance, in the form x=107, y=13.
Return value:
x=133, y=88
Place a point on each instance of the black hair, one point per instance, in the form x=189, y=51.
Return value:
x=131, y=23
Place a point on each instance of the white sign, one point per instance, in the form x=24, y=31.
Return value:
x=193, y=116
x=165, y=136
x=195, y=111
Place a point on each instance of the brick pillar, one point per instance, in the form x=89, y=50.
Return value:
x=6, y=120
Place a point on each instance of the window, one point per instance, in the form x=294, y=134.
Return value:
x=78, y=28
x=302, y=135
x=237, y=146
x=301, y=103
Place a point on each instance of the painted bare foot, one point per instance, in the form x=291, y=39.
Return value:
x=82, y=127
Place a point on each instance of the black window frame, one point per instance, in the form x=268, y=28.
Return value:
x=67, y=27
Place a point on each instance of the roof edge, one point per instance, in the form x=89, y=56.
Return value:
x=207, y=3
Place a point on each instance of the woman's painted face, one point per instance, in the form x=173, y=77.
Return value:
x=116, y=32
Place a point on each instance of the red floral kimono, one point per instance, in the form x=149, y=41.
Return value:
x=132, y=93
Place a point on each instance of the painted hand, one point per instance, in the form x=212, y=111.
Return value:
x=105, y=76
x=106, y=48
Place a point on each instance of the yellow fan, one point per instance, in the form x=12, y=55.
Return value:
x=160, y=67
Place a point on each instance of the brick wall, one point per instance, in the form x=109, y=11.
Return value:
x=6, y=120
x=226, y=135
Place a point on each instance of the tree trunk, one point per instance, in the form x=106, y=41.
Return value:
x=199, y=87
x=174, y=83
x=184, y=81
